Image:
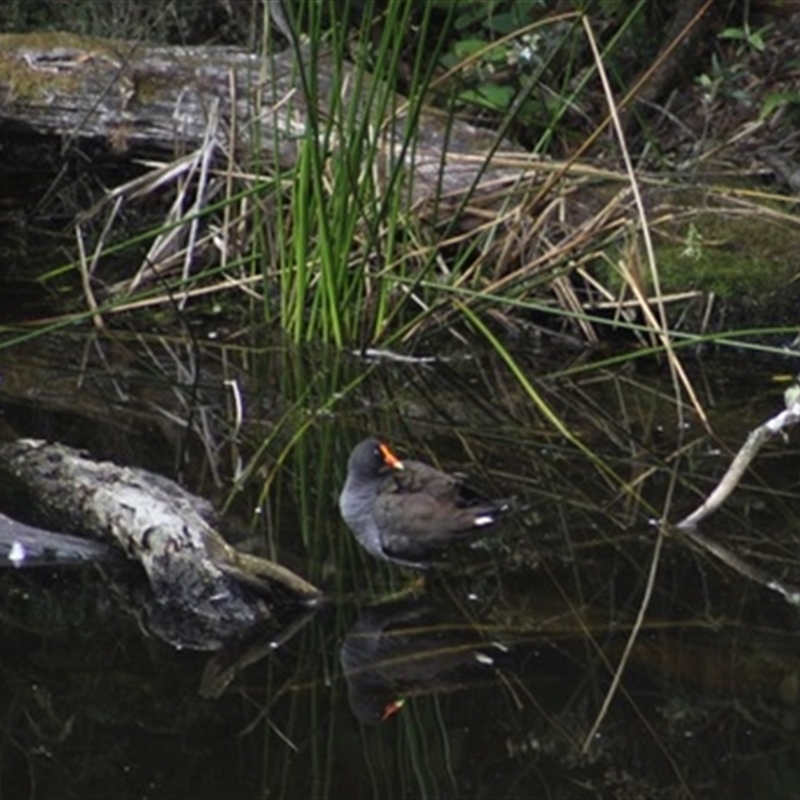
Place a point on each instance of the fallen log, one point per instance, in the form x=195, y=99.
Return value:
x=26, y=544
x=190, y=568
x=139, y=98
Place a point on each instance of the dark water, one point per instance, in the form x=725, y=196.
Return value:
x=503, y=658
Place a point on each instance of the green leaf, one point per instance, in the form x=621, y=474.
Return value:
x=776, y=100
x=507, y=22
x=756, y=41
x=489, y=95
x=468, y=47
x=733, y=33
x=470, y=15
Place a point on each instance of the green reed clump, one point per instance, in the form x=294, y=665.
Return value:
x=344, y=244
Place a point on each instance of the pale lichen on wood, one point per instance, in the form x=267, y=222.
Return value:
x=140, y=97
x=154, y=521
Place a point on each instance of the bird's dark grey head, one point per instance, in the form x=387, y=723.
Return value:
x=366, y=460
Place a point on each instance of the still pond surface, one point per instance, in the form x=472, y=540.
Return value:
x=490, y=676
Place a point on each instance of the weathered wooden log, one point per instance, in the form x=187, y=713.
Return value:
x=26, y=544
x=190, y=567
x=139, y=97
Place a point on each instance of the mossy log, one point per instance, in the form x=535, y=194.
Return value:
x=140, y=98
x=170, y=532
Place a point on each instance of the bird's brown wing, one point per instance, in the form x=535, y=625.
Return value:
x=421, y=517
x=417, y=478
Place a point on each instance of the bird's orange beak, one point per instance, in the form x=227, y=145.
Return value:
x=389, y=458
x=390, y=709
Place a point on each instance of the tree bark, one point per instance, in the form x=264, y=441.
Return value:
x=193, y=572
x=139, y=98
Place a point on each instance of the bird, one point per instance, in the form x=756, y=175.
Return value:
x=409, y=648
x=407, y=511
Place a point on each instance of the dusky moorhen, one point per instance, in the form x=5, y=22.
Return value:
x=404, y=511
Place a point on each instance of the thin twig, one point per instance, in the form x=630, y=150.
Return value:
x=729, y=481
x=755, y=441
